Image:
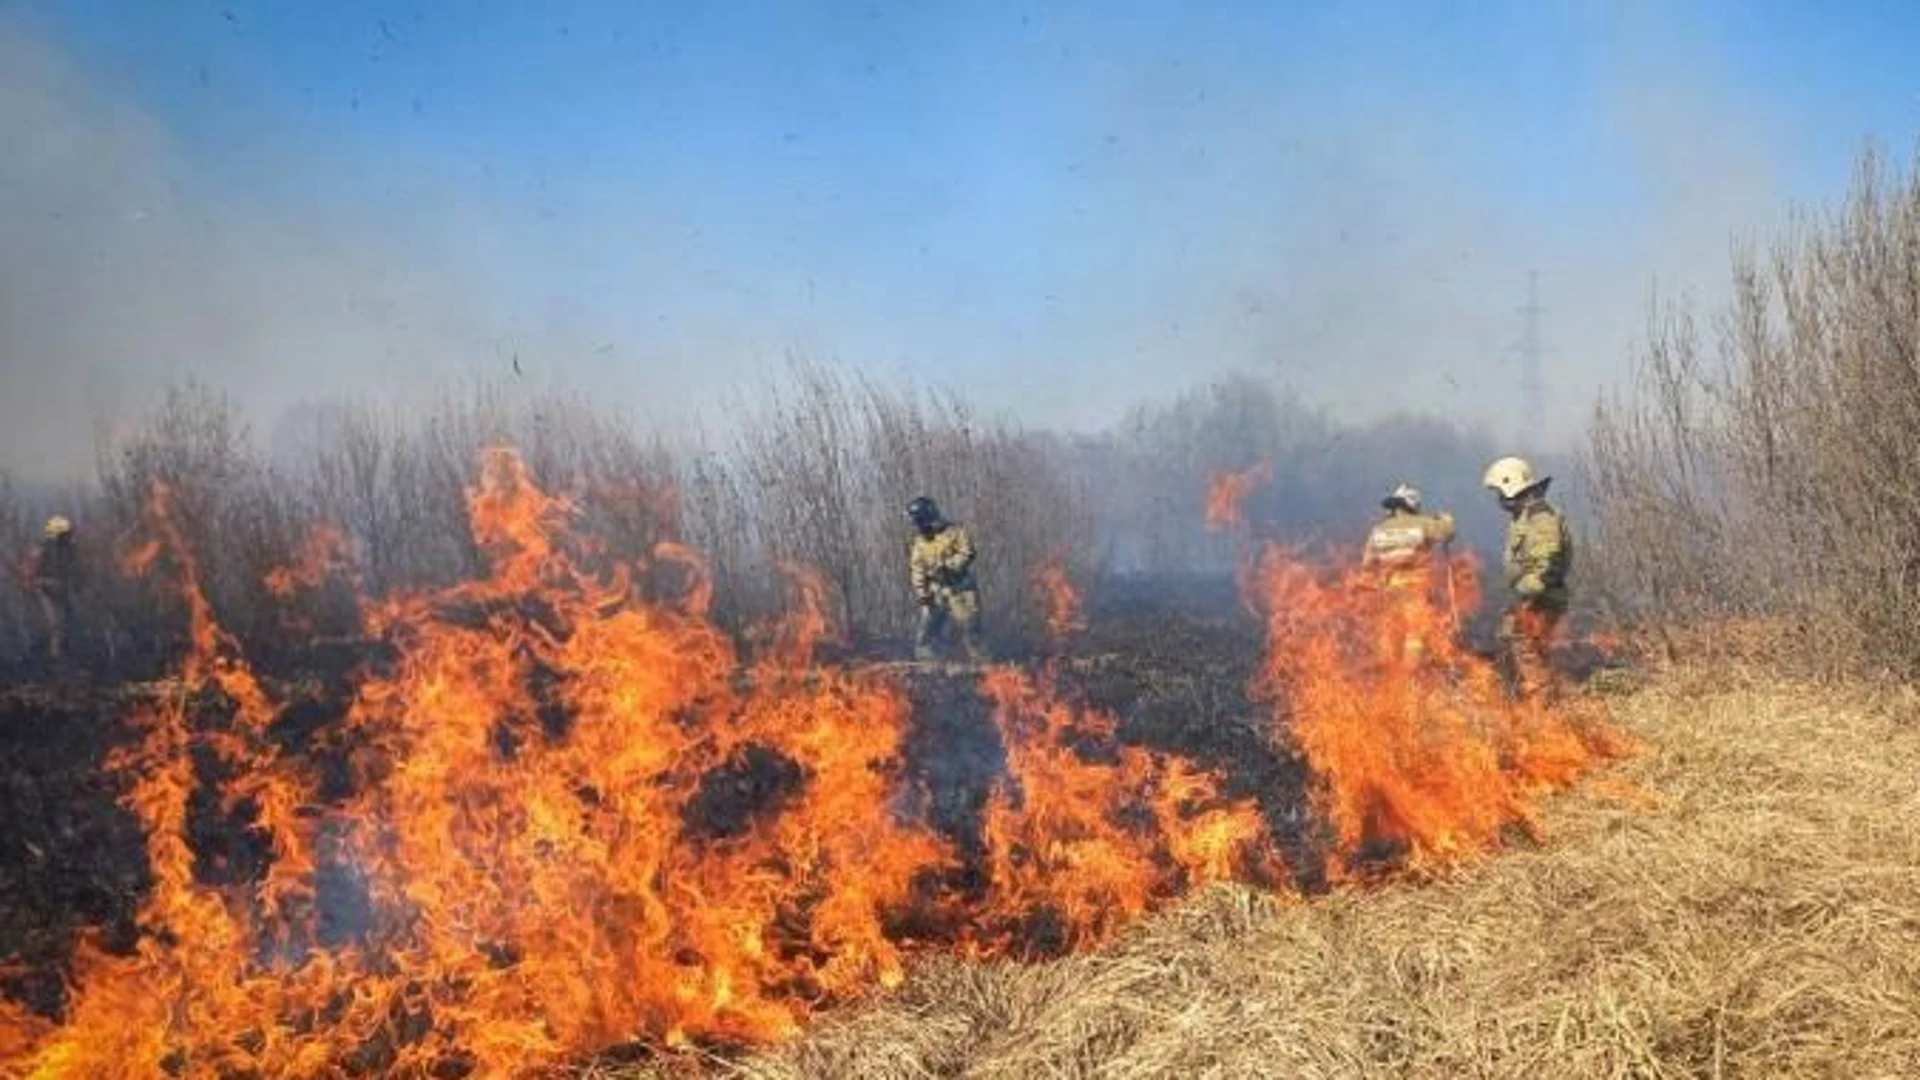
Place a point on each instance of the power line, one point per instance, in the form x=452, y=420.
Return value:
x=1533, y=387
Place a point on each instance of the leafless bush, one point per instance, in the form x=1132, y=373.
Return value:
x=1327, y=477
x=397, y=487
x=1165, y=455
x=1779, y=477
x=826, y=470
x=226, y=501
x=817, y=472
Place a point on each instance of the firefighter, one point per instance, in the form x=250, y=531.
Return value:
x=940, y=570
x=52, y=572
x=1539, y=554
x=1400, y=556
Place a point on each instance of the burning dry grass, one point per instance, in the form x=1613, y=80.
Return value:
x=1737, y=900
x=525, y=808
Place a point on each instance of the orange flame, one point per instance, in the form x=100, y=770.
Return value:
x=137, y=560
x=1060, y=602
x=1228, y=490
x=1058, y=841
x=578, y=821
x=188, y=973
x=1419, y=750
x=323, y=551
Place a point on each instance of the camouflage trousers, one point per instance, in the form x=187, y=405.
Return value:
x=1526, y=641
x=56, y=616
x=955, y=610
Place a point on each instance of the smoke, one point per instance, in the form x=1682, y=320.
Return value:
x=1134, y=218
x=1365, y=232
x=125, y=266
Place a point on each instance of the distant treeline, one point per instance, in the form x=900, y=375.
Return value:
x=819, y=473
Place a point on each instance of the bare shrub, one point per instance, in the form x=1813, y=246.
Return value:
x=1778, y=475
x=1164, y=456
x=400, y=485
x=818, y=471
x=826, y=469
x=226, y=501
x=1327, y=477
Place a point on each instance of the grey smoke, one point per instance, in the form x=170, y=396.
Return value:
x=1358, y=252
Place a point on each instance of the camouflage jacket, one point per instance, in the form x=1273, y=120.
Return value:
x=53, y=566
x=1400, y=545
x=1539, y=555
x=941, y=564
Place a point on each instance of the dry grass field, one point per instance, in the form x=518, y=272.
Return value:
x=1740, y=899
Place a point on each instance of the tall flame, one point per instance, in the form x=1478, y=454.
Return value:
x=571, y=820
x=192, y=970
x=1228, y=491
x=574, y=820
x=1060, y=601
x=1420, y=752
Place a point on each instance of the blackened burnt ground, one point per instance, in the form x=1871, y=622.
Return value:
x=1174, y=662
x=70, y=858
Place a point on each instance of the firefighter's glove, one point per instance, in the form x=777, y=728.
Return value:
x=1530, y=586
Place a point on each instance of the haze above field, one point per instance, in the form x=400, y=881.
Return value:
x=1059, y=210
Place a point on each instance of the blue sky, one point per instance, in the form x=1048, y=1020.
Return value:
x=1059, y=209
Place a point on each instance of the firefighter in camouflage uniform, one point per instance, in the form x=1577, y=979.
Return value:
x=940, y=571
x=1539, y=555
x=52, y=573
x=1400, y=557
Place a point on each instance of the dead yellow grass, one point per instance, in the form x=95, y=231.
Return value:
x=1753, y=909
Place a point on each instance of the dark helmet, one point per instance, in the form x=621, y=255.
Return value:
x=922, y=512
x=1404, y=497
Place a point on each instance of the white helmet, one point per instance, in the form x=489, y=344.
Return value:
x=1404, y=495
x=58, y=526
x=1511, y=477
